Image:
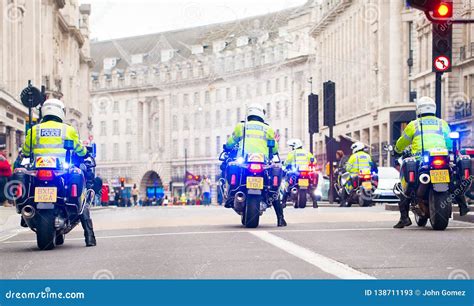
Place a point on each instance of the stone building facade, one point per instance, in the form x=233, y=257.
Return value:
x=46, y=42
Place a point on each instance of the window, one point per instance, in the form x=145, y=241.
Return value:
x=207, y=97
x=174, y=124
x=285, y=83
x=197, y=120
x=218, y=144
x=128, y=151
x=268, y=109
x=128, y=126
x=197, y=148
x=186, y=100
x=102, y=152
x=175, y=147
x=286, y=109
x=115, y=130
x=208, y=146
x=269, y=89
x=219, y=95
x=238, y=115
x=116, y=107
x=278, y=108
x=185, y=122
x=185, y=146
x=196, y=98
x=228, y=95
x=228, y=117
x=128, y=105
x=277, y=85
x=103, y=128
x=207, y=119
x=218, y=118
x=116, y=151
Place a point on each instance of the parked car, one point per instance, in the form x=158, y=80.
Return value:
x=388, y=177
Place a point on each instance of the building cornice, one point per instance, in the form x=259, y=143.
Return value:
x=329, y=17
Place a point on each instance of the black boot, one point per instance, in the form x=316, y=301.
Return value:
x=315, y=204
x=403, y=206
x=281, y=221
x=22, y=222
x=86, y=223
x=343, y=198
x=279, y=213
x=463, y=208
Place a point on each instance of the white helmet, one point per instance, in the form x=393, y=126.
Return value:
x=425, y=105
x=54, y=107
x=295, y=143
x=256, y=110
x=357, y=146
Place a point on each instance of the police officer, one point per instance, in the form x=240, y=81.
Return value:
x=297, y=158
x=257, y=134
x=435, y=136
x=357, y=163
x=48, y=139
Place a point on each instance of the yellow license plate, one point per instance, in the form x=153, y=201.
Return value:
x=255, y=182
x=45, y=194
x=303, y=182
x=367, y=185
x=439, y=176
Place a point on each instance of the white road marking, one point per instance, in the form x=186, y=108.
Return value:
x=237, y=232
x=326, y=264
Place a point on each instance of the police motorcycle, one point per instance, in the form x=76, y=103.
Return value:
x=359, y=188
x=252, y=180
x=298, y=182
x=430, y=181
x=54, y=193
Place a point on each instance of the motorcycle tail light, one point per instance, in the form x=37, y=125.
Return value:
x=19, y=191
x=74, y=190
x=45, y=175
x=304, y=173
x=466, y=174
x=438, y=162
x=354, y=183
x=291, y=180
x=411, y=177
x=255, y=167
x=233, y=179
x=275, y=181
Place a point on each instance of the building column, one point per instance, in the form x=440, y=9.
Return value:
x=395, y=59
x=146, y=120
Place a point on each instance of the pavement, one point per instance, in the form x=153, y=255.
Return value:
x=209, y=243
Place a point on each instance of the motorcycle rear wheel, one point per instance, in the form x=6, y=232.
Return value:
x=45, y=231
x=440, y=210
x=251, y=215
x=301, y=201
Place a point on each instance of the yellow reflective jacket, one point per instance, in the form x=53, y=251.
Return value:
x=48, y=139
x=359, y=161
x=435, y=135
x=256, y=136
x=299, y=157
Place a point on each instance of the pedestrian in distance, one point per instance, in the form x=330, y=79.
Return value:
x=5, y=174
x=135, y=194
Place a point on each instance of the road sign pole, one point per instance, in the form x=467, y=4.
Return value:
x=438, y=93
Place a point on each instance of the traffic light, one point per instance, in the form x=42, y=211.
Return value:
x=122, y=182
x=443, y=9
x=313, y=113
x=329, y=92
x=442, y=46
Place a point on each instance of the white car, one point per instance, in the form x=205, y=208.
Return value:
x=388, y=177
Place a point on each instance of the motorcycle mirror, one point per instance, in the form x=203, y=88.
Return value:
x=388, y=148
x=92, y=149
x=68, y=144
x=454, y=135
x=312, y=160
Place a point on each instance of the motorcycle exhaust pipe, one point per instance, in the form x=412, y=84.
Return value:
x=240, y=197
x=28, y=212
x=294, y=190
x=425, y=179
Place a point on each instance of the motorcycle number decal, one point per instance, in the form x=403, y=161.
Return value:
x=45, y=194
x=439, y=176
x=50, y=133
x=254, y=183
x=45, y=162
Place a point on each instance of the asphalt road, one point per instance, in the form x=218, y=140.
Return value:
x=210, y=243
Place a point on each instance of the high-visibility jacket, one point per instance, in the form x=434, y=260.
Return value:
x=48, y=139
x=435, y=135
x=299, y=157
x=358, y=162
x=257, y=135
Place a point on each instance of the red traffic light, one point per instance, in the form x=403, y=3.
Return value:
x=122, y=180
x=443, y=10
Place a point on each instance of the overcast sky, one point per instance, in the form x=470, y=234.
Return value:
x=122, y=18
